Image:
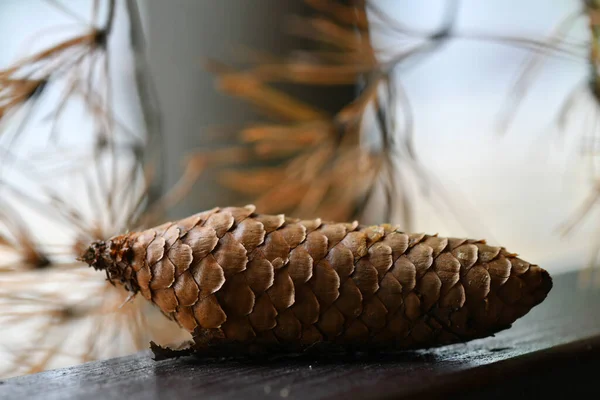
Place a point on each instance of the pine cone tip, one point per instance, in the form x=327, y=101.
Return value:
x=108, y=256
x=94, y=255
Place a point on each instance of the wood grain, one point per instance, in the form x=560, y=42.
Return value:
x=554, y=349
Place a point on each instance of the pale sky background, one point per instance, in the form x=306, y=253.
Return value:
x=519, y=187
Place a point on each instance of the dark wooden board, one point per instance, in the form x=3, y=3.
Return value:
x=554, y=349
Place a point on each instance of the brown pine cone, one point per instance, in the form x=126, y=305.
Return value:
x=237, y=279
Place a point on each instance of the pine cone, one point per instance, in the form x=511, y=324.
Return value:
x=232, y=278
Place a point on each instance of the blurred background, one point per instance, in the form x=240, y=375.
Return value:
x=485, y=149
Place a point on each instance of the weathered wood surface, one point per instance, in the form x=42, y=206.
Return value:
x=554, y=349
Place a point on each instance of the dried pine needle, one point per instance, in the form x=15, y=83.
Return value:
x=311, y=154
x=63, y=314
